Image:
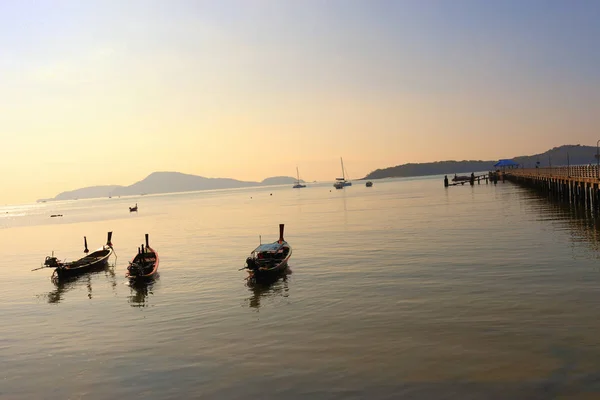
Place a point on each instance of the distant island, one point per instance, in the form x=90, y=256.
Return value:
x=562, y=155
x=167, y=182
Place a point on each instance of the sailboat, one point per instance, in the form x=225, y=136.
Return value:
x=298, y=185
x=342, y=182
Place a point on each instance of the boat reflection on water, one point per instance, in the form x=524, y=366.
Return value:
x=65, y=284
x=141, y=289
x=268, y=288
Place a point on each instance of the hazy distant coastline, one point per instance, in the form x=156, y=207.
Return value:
x=166, y=182
x=563, y=155
x=174, y=182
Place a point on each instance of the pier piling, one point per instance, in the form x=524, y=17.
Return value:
x=577, y=185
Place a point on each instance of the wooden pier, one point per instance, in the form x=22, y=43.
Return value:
x=471, y=180
x=577, y=185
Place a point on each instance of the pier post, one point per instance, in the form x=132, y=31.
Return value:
x=588, y=198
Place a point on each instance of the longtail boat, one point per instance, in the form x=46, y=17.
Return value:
x=90, y=262
x=145, y=263
x=460, y=178
x=269, y=259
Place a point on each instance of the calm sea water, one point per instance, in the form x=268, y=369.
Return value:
x=402, y=290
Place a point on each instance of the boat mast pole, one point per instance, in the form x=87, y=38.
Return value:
x=343, y=173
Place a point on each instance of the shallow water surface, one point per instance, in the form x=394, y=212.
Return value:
x=402, y=290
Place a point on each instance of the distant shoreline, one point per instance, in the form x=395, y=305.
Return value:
x=165, y=182
x=563, y=155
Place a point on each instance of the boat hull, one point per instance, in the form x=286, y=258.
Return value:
x=92, y=262
x=277, y=268
x=260, y=274
x=260, y=270
x=269, y=259
x=150, y=270
x=341, y=185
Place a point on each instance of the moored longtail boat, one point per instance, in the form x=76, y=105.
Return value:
x=145, y=264
x=460, y=178
x=269, y=259
x=95, y=260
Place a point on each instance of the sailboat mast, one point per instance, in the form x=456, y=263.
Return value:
x=343, y=173
x=298, y=175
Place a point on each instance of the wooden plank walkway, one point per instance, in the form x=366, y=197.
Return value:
x=584, y=173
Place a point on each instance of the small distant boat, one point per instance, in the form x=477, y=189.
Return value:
x=369, y=184
x=134, y=208
x=145, y=264
x=96, y=259
x=56, y=215
x=269, y=259
x=298, y=185
x=460, y=178
x=342, y=182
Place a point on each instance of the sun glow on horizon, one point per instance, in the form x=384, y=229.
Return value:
x=107, y=92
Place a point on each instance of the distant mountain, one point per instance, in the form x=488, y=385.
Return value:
x=432, y=168
x=173, y=182
x=88, y=192
x=563, y=155
x=166, y=182
x=279, y=180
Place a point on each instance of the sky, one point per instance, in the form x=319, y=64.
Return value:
x=107, y=92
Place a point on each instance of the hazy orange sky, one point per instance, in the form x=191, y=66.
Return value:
x=106, y=92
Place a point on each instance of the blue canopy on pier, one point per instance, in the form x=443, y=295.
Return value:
x=506, y=163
